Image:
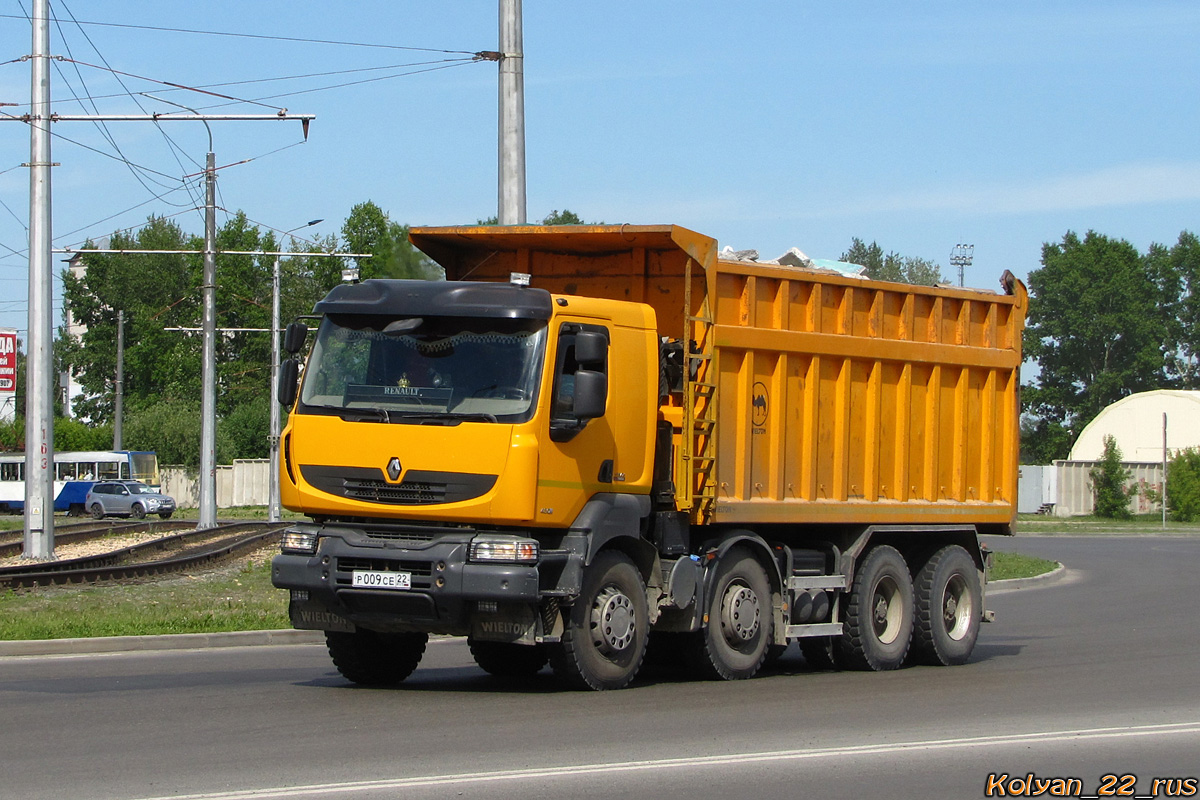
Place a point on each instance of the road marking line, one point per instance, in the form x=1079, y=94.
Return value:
x=1084, y=734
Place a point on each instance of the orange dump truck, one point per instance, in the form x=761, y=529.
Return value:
x=591, y=440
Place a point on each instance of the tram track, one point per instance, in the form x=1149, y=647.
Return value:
x=12, y=542
x=192, y=549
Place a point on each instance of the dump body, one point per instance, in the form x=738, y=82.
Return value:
x=833, y=399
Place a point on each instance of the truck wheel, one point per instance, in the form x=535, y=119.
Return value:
x=877, y=627
x=97, y=511
x=949, y=608
x=375, y=659
x=733, y=645
x=508, y=660
x=604, y=640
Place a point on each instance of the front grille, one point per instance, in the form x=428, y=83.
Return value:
x=408, y=493
x=347, y=564
x=419, y=488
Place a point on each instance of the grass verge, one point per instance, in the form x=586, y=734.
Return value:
x=1006, y=566
x=235, y=598
x=238, y=598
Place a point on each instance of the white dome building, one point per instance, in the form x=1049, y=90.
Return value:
x=1136, y=423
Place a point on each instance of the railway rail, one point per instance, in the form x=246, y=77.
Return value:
x=12, y=542
x=194, y=548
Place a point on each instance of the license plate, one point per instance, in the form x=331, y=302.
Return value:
x=381, y=580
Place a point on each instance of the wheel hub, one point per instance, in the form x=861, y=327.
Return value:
x=740, y=614
x=613, y=621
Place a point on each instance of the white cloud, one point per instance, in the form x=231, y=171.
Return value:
x=1110, y=187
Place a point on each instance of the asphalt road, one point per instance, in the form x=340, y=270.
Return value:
x=1093, y=675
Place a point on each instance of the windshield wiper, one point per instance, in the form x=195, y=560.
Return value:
x=354, y=414
x=474, y=416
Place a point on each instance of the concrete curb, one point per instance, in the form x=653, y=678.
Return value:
x=1013, y=584
x=178, y=641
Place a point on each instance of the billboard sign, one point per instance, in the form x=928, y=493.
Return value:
x=8, y=363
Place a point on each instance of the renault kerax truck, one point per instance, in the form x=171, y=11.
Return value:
x=593, y=440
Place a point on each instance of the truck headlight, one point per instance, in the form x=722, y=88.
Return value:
x=299, y=543
x=504, y=550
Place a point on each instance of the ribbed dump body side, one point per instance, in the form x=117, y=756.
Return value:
x=846, y=400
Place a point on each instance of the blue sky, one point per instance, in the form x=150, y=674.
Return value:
x=767, y=125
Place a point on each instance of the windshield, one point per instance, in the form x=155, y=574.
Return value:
x=140, y=488
x=396, y=370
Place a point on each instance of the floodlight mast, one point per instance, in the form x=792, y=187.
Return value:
x=961, y=257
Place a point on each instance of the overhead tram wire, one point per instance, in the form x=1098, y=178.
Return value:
x=278, y=78
x=171, y=144
x=106, y=134
x=239, y=35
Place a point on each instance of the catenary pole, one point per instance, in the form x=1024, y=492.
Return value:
x=208, y=361
x=39, y=364
x=512, y=115
x=274, y=501
x=119, y=385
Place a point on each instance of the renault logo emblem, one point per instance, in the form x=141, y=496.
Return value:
x=394, y=469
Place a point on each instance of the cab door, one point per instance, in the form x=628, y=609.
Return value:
x=577, y=461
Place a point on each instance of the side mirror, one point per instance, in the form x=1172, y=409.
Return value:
x=289, y=381
x=591, y=348
x=294, y=336
x=591, y=394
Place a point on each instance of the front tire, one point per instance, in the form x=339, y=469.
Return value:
x=606, y=628
x=375, y=659
x=733, y=645
x=166, y=514
x=949, y=608
x=508, y=660
x=878, y=624
x=138, y=511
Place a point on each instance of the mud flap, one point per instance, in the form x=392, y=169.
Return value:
x=309, y=615
x=513, y=623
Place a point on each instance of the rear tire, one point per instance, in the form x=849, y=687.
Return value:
x=949, y=604
x=606, y=628
x=733, y=645
x=508, y=660
x=375, y=659
x=97, y=511
x=878, y=624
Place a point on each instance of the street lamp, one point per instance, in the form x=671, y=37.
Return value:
x=274, y=508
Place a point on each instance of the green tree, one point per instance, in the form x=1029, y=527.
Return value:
x=368, y=229
x=1175, y=274
x=1043, y=441
x=1095, y=329
x=1108, y=481
x=246, y=429
x=1183, y=485
x=171, y=427
x=892, y=266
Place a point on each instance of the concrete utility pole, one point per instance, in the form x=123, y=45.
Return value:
x=208, y=366
x=39, y=362
x=512, y=115
x=119, y=384
x=274, y=502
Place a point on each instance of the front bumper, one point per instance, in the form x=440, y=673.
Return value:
x=446, y=594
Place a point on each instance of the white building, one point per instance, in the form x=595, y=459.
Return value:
x=1136, y=423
